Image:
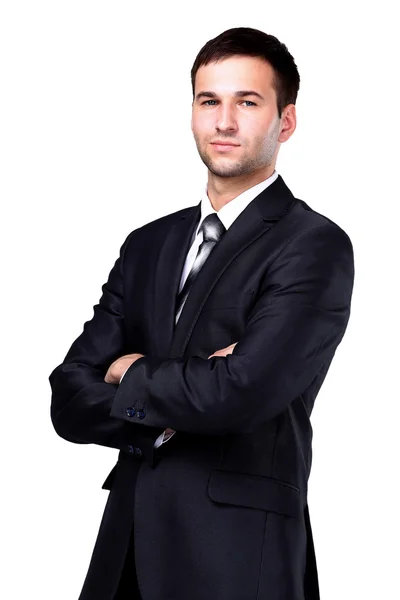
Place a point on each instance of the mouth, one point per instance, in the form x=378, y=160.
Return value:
x=223, y=147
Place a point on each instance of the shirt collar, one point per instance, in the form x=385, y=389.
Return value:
x=231, y=210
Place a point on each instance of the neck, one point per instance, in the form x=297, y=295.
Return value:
x=222, y=190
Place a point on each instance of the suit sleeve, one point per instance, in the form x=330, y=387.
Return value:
x=81, y=400
x=294, y=327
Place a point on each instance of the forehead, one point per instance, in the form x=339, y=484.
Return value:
x=234, y=73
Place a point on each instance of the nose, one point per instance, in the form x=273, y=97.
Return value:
x=226, y=118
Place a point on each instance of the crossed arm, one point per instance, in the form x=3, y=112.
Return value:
x=118, y=368
x=298, y=319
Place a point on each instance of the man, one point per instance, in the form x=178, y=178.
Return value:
x=201, y=364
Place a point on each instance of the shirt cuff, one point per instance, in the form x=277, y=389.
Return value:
x=123, y=374
x=164, y=437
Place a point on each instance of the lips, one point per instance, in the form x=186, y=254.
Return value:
x=224, y=147
x=223, y=144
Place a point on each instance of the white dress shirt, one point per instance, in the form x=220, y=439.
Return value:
x=227, y=214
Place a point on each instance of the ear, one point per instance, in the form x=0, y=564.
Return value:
x=289, y=122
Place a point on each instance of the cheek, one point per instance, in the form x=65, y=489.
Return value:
x=257, y=132
x=256, y=126
x=202, y=122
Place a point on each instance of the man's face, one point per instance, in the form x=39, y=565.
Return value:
x=250, y=122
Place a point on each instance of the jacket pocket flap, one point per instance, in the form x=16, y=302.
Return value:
x=255, y=491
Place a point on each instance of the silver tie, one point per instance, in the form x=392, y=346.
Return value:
x=212, y=229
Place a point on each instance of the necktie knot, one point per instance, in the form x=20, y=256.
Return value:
x=212, y=228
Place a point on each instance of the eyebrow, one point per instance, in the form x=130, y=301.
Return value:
x=238, y=94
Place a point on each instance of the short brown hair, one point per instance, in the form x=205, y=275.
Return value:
x=247, y=41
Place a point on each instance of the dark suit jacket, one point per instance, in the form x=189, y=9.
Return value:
x=219, y=511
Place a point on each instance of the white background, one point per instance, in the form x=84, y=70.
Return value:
x=96, y=141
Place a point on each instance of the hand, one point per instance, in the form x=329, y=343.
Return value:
x=224, y=351
x=119, y=366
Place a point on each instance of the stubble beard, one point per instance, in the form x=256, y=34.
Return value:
x=262, y=156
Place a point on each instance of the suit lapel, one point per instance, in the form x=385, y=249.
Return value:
x=255, y=220
x=168, y=275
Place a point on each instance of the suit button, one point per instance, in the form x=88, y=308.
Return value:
x=130, y=411
x=138, y=452
x=140, y=414
x=131, y=449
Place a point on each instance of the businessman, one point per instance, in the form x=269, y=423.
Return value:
x=201, y=364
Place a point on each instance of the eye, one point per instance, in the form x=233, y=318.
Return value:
x=207, y=101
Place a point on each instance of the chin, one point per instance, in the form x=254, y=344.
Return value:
x=224, y=172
